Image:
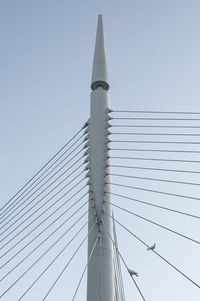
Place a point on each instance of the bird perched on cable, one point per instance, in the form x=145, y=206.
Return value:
x=151, y=247
x=133, y=273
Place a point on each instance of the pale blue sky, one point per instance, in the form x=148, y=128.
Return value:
x=46, y=52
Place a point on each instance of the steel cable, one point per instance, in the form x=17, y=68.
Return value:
x=89, y=258
x=117, y=287
x=155, y=134
x=158, y=142
x=154, y=118
x=19, y=199
x=158, y=169
x=139, y=239
x=42, y=168
x=123, y=259
x=46, y=180
x=40, y=233
x=41, y=215
x=156, y=191
x=118, y=263
x=155, y=179
x=10, y=213
x=43, y=241
x=155, y=126
x=57, y=257
x=35, y=262
x=155, y=159
x=116, y=283
x=154, y=205
x=42, y=199
x=155, y=150
x=157, y=224
x=154, y=112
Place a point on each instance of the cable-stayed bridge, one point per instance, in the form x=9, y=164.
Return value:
x=121, y=169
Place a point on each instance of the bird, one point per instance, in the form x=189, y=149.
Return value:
x=151, y=247
x=133, y=273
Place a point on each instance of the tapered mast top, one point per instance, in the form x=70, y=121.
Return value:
x=99, y=72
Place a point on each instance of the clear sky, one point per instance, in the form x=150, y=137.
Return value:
x=46, y=53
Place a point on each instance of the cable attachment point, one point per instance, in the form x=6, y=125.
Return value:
x=86, y=138
x=108, y=110
x=86, y=145
x=86, y=153
x=86, y=131
x=97, y=220
x=88, y=176
x=91, y=196
x=91, y=190
x=88, y=183
x=105, y=189
x=85, y=125
x=87, y=167
x=86, y=159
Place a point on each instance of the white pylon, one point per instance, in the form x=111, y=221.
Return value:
x=100, y=278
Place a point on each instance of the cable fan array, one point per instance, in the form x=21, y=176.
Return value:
x=163, y=169
x=44, y=218
x=155, y=183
